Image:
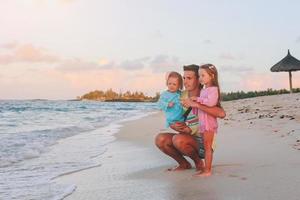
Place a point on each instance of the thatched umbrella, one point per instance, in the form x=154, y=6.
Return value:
x=287, y=64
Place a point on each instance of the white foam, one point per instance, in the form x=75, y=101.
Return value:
x=68, y=191
x=139, y=116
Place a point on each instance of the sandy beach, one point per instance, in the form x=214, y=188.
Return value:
x=257, y=157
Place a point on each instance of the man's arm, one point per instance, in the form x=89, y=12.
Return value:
x=181, y=127
x=214, y=111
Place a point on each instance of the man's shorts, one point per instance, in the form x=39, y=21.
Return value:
x=201, y=150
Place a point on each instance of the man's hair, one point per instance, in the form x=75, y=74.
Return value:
x=194, y=68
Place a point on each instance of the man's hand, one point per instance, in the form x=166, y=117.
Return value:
x=189, y=103
x=181, y=127
x=193, y=98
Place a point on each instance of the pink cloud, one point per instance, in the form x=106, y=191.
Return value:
x=9, y=45
x=73, y=65
x=117, y=79
x=263, y=81
x=73, y=77
x=148, y=82
x=26, y=53
x=88, y=76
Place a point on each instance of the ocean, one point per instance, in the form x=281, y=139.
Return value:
x=43, y=139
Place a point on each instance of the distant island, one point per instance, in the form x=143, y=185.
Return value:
x=112, y=96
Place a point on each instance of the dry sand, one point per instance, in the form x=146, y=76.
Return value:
x=257, y=157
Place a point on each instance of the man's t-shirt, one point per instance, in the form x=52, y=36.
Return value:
x=192, y=120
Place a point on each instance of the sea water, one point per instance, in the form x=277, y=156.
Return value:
x=41, y=140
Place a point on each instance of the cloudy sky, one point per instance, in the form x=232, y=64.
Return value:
x=60, y=49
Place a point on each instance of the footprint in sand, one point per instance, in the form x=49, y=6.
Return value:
x=237, y=176
x=228, y=165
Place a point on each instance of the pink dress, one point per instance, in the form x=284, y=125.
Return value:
x=209, y=97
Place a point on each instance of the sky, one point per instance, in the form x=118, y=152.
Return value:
x=61, y=49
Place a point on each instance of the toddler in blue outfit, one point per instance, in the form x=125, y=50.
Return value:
x=169, y=100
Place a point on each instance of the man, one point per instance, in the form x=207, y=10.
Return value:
x=187, y=142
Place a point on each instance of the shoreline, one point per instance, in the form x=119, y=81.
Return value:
x=114, y=129
x=252, y=161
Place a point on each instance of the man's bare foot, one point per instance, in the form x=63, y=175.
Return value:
x=180, y=167
x=199, y=165
x=203, y=174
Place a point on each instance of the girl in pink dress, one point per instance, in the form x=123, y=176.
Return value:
x=209, y=96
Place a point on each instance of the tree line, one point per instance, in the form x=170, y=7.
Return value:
x=110, y=95
x=242, y=95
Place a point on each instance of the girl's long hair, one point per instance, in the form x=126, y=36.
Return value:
x=213, y=73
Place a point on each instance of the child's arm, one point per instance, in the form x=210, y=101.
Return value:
x=215, y=111
x=212, y=97
x=162, y=102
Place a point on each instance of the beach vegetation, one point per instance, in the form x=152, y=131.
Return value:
x=243, y=95
x=110, y=95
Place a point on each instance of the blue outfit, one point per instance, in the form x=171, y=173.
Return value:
x=175, y=113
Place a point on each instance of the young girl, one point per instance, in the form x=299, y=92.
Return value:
x=209, y=96
x=169, y=100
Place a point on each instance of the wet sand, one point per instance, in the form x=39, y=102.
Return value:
x=257, y=157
